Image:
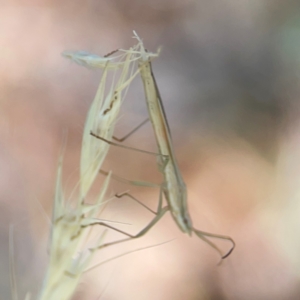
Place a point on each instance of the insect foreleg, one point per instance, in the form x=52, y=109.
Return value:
x=131, y=182
x=125, y=147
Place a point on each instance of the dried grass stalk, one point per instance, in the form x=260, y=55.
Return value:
x=69, y=256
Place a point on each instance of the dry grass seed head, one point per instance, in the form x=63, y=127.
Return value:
x=70, y=226
x=101, y=120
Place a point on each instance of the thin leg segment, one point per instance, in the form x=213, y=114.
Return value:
x=158, y=215
x=126, y=194
x=125, y=137
x=132, y=182
x=126, y=147
x=202, y=235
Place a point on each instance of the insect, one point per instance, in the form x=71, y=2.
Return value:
x=173, y=188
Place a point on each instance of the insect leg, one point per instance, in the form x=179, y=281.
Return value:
x=131, y=182
x=137, y=183
x=202, y=235
x=125, y=147
x=160, y=202
x=111, y=53
x=125, y=137
x=126, y=194
x=159, y=214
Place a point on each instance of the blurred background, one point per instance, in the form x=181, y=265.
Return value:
x=229, y=78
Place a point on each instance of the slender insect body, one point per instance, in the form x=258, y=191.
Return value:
x=175, y=189
x=174, y=186
x=175, y=195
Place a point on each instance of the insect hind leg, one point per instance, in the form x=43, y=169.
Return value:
x=203, y=235
x=158, y=215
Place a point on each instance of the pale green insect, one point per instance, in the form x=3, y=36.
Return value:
x=173, y=187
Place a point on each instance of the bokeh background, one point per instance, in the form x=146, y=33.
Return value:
x=229, y=78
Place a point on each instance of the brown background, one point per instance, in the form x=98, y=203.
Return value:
x=228, y=75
